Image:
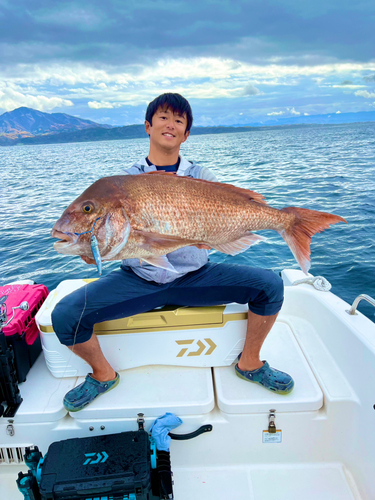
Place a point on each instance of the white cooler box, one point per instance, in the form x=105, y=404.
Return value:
x=172, y=335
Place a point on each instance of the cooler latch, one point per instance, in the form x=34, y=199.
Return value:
x=271, y=422
x=141, y=421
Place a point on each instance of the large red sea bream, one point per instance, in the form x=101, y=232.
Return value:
x=149, y=215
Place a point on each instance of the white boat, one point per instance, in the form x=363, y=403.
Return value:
x=316, y=443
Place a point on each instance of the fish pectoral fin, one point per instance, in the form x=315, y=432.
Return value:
x=240, y=245
x=160, y=261
x=156, y=241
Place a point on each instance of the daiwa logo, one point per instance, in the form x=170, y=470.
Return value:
x=201, y=347
x=100, y=458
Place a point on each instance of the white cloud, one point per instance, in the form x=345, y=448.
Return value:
x=275, y=113
x=293, y=111
x=365, y=93
x=200, y=78
x=306, y=114
x=347, y=86
x=103, y=104
x=12, y=98
x=338, y=112
x=172, y=69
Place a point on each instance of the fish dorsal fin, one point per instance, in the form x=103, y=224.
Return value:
x=240, y=245
x=250, y=195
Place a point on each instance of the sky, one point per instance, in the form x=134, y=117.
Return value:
x=237, y=62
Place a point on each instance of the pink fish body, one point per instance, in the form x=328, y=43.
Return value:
x=149, y=215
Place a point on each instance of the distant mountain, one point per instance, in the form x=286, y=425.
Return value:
x=90, y=134
x=28, y=122
x=327, y=119
x=113, y=134
x=62, y=128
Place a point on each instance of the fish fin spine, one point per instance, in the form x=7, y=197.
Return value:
x=159, y=261
x=298, y=233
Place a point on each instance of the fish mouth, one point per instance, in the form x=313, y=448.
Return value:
x=66, y=239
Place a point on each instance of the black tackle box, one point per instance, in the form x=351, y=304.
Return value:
x=116, y=466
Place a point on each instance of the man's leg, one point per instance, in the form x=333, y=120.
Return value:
x=262, y=290
x=258, y=327
x=91, y=352
x=117, y=295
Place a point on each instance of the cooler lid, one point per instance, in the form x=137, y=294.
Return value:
x=154, y=390
x=282, y=351
x=163, y=319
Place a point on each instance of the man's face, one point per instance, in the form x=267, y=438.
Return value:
x=168, y=129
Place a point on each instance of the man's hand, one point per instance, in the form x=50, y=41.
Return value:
x=88, y=260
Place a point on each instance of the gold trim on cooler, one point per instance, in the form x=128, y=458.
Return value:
x=165, y=319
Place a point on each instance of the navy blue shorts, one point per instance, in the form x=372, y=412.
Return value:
x=122, y=293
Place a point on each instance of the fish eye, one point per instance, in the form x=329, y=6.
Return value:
x=87, y=208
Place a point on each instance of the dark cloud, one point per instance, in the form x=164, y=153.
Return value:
x=346, y=82
x=369, y=78
x=117, y=32
x=250, y=90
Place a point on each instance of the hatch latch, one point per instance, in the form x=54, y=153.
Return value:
x=271, y=422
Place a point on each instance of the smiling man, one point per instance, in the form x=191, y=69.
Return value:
x=137, y=288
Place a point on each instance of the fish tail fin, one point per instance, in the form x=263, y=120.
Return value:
x=298, y=233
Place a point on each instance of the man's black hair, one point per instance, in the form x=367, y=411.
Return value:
x=175, y=102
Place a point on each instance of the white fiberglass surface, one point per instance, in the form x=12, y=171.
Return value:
x=154, y=390
x=294, y=482
x=282, y=351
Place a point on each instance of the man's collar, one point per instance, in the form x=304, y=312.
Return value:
x=184, y=165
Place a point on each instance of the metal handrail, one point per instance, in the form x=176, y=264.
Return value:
x=363, y=296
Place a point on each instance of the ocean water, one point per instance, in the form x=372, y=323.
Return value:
x=324, y=168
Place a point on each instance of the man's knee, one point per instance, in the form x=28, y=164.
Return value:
x=271, y=296
x=66, y=324
x=59, y=323
x=274, y=287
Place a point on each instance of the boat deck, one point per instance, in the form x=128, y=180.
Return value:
x=323, y=449
x=198, y=396
x=292, y=482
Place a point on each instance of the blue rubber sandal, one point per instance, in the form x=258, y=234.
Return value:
x=85, y=393
x=270, y=378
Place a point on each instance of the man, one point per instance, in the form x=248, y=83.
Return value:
x=137, y=288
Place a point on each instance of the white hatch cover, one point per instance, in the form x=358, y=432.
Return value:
x=282, y=351
x=154, y=390
x=42, y=395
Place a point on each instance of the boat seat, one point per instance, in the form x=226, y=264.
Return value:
x=282, y=351
x=154, y=390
